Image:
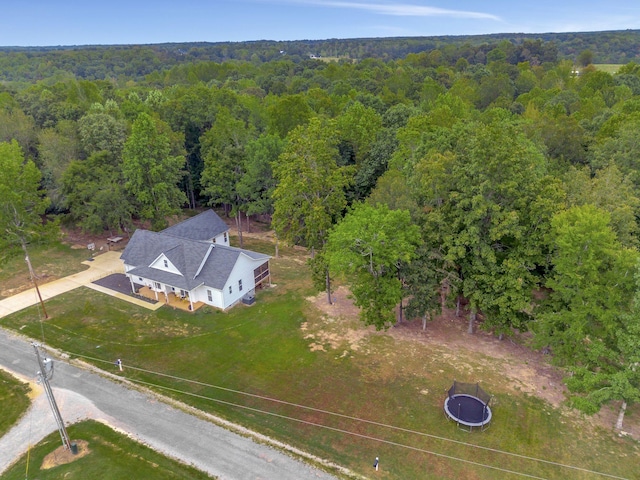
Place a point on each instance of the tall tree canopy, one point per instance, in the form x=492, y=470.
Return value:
x=590, y=287
x=22, y=203
x=310, y=195
x=369, y=246
x=489, y=199
x=152, y=172
x=588, y=320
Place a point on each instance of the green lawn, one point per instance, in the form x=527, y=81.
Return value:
x=266, y=350
x=14, y=400
x=111, y=456
x=49, y=263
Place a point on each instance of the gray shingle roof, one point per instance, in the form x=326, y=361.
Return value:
x=186, y=255
x=204, y=226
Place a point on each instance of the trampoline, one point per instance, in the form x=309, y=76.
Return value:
x=468, y=405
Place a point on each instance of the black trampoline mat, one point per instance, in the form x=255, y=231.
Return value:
x=467, y=409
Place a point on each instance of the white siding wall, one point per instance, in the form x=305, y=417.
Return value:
x=200, y=295
x=243, y=270
x=222, y=239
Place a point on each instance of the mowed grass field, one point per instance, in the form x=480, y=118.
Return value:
x=284, y=369
x=110, y=456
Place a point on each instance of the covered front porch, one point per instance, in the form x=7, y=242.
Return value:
x=171, y=299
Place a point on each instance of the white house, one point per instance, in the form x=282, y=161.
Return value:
x=193, y=260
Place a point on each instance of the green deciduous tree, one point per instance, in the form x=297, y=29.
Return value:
x=102, y=132
x=223, y=149
x=58, y=147
x=487, y=195
x=22, y=203
x=152, y=171
x=588, y=321
x=286, y=113
x=310, y=195
x=15, y=125
x=590, y=287
x=258, y=183
x=611, y=191
x=427, y=279
x=95, y=195
x=358, y=127
x=369, y=246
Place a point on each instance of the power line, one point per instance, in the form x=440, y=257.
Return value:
x=339, y=430
x=348, y=417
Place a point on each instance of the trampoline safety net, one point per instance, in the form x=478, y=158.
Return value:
x=473, y=389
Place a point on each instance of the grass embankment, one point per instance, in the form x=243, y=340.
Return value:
x=14, y=401
x=267, y=350
x=111, y=456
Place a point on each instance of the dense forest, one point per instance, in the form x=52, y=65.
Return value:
x=133, y=62
x=503, y=175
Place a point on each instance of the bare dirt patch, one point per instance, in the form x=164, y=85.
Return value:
x=78, y=239
x=62, y=456
x=524, y=370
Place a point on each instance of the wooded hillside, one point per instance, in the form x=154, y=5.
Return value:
x=126, y=62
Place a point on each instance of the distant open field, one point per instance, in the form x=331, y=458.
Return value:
x=608, y=67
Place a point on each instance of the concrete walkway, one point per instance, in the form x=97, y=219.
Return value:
x=101, y=266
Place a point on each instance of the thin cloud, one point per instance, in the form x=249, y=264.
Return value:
x=401, y=10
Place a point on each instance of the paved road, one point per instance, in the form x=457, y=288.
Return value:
x=84, y=394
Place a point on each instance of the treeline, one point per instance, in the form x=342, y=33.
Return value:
x=133, y=62
x=427, y=180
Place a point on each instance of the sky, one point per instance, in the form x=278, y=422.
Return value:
x=116, y=22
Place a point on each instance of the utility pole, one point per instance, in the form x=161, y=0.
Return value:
x=33, y=279
x=44, y=375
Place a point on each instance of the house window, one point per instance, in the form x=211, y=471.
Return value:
x=230, y=289
x=240, y=285
x=140, y=278
x=225, y=237
x=209, y=296
x=166, y=264
x=157, y=285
